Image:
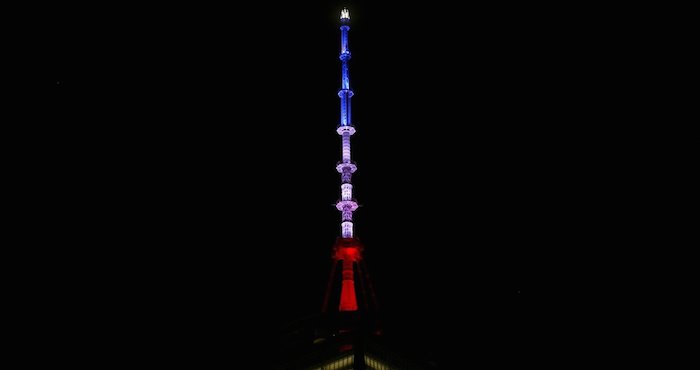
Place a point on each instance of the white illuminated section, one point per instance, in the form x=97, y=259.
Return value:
x=347, y=229
x=346, y=191
x=344, y=14
x=346, y=147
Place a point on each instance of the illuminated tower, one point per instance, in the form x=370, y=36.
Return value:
x=347, y=334
x=347, y=250
x=355, y=289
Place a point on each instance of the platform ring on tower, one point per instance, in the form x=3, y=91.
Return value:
x=351, y=166
x=343, y=129
x=342, y=204
x=349, y=93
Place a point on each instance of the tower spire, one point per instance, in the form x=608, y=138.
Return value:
x=346, y=205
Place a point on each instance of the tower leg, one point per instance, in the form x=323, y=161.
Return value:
x=329, y=287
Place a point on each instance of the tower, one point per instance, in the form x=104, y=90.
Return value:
x=347, y=251
x=347, y=333
x=353, y=296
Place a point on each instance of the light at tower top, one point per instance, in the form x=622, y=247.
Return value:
x=344, y=14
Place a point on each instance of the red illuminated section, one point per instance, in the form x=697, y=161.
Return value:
x=348, y=250
x=347, y=294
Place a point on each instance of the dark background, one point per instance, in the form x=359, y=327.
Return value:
x=191, y=179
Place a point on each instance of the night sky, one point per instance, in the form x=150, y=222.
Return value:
x=195, y=182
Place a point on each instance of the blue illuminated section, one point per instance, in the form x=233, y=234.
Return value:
x=345, y=92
